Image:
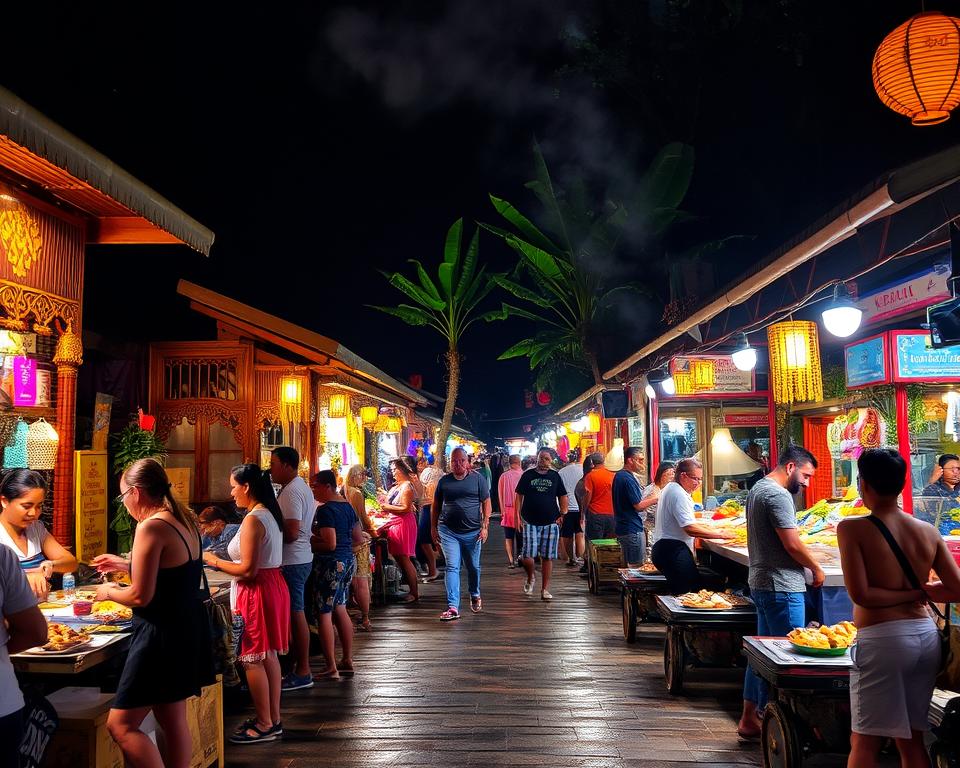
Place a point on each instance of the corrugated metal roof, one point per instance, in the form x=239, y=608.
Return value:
x=38, y=150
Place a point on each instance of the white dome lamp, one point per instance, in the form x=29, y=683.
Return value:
x=650, y=392
x=842, y=317
x=668, y=385
x=745, y=356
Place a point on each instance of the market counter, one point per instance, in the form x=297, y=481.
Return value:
x=832, y=573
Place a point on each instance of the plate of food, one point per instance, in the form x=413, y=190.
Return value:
x=60, y=639
x=648, y=568
x=706, y=600
x=108, y=612
x=823, y=641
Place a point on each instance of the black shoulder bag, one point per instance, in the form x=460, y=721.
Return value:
x=915, y=583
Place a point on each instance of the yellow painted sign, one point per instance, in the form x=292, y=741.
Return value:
x=90, y=503
x=181, y=485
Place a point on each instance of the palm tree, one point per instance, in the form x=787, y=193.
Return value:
x=448, y=306
x=567, y=290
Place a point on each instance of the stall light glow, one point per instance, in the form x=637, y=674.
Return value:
x=842, y=317
x=368, y=415
x=795, y=349
x=795, y=375
x=337, y=406
x=650, y=392
x=745, y=357
x=550, y=436
x=721, y=437
x=291, y=390
x=668, y=386
x=593, y=422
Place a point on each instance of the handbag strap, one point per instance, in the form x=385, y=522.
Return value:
x=901, y=558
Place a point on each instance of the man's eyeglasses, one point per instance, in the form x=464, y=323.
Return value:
x=119, y=499
x=697, y=480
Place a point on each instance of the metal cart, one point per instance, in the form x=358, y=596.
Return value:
x=638, y=593
x=808, y=710
x=702, y=638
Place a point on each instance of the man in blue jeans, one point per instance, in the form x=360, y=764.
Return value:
x=629, y=508
x=777, y=560
x=460, y=516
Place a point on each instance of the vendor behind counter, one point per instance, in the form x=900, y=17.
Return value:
x=22, y=492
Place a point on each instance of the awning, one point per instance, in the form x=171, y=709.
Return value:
x=122, y=210
x=308, y=345
x=889, y=194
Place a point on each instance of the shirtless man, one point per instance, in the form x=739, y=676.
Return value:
x=897, y=652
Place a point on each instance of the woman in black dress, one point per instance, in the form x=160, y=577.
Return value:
x=170, y=656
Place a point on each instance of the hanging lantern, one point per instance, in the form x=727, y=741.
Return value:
x=593, y=422
x=683, y=383
x=795, y=362
x=337, y=406
x=382, y=422
x=291, y=396
x=702, y=372
x=916, y=69
x=368, y=415
x=394, y=424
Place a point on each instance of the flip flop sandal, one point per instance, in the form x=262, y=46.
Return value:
x=429, y=579
x=244, y=737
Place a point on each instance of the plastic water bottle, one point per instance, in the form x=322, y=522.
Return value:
x=69, y=584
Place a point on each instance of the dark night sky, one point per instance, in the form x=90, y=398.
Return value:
x=324, y=141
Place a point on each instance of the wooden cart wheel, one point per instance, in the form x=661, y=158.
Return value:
x=629, y=617
x=781, y=745
x=674, y=660
x=593, y=579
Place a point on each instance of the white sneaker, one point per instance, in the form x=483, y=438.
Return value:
x=544, y=595
x=528, y=586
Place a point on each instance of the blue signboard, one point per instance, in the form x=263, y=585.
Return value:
x=915, y=360
x=866, y=362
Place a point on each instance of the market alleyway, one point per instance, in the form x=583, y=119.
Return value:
x=523, y=683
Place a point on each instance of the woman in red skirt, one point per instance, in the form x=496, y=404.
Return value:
x=404, y=502
x=262, y=598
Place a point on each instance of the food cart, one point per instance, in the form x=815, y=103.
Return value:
x=638, y=591
x=702, y=638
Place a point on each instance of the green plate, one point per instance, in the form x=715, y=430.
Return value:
x=806, y=650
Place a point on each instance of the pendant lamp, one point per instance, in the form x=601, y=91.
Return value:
x=337, y=406
x=842, y=317
x=916, y=69
x=669, y=386
x=795, y=362
x=745, y=356
x=368, y=415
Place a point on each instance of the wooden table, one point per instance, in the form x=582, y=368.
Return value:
x=637, y=598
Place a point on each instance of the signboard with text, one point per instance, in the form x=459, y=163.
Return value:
x=90, y=503
x=24, y=381
x=752, y=419
x=867, y=362
x=915, y=360
x=727, y=378
x=908, y=294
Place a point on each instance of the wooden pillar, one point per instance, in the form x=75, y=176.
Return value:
x=68, y=357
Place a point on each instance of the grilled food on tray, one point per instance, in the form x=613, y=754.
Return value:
x=108, y=610
x=648, y=568
x=841, y=635
x=706, y=599
x=60, y=637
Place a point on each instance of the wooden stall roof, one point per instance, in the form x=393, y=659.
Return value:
x=310, y=346
x=37, y=154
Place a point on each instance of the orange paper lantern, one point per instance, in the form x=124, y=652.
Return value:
x=916, y=69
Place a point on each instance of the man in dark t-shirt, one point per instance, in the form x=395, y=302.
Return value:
x=541, y=503
x=460, y=514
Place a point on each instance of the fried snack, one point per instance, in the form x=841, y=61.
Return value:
x=705, y=599
x=648, y=568
x=60, y=637
x=841, y=635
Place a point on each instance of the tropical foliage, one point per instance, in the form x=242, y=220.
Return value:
x=569, y=278
x=448, y=304
x=127, y=446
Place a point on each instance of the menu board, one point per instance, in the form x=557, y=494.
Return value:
x=866, y=362
x=914, y=359
x=90, y=503
x=727, y=378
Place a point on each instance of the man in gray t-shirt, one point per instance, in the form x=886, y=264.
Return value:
x=777, y=560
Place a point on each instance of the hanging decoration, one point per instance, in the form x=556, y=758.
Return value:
x=795, y=362
x=338, y=406
x=683, y=383
x=368, y=415
x=291, y=396
x=593, y=422
x=355, y=438
x=703, y=374
x=15, y=453
x=916, y=69
x=543, y=397
x=851, y=433
x=42, y=442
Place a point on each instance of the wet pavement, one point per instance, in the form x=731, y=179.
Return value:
x=525, y=682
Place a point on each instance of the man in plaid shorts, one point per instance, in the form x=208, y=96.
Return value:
x=541, y=502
